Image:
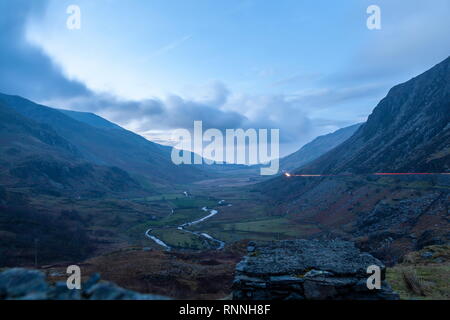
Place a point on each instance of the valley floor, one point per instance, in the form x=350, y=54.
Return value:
x=114, y=241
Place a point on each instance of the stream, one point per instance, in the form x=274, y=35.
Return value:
x=183, y=227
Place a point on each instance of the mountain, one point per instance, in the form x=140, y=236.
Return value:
x=91, y=119
x=33, y=155
x=407, y=132
x=317, y=147
x=66, y=180
x=103, y=143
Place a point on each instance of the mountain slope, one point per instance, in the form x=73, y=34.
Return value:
x=91, y=119
x=408, y=131
x=34, y=156
x=107, y=145
x=317, y=147
x=388, y=216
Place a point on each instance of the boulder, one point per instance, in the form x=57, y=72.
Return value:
x=24, y=284
x=307, y=269
x=110, y=291
x=18, y=283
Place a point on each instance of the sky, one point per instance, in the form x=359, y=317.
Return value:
x=305, y=67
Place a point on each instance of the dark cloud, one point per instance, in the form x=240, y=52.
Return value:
x=214, y=110
x=24, y=69
x=170, y=113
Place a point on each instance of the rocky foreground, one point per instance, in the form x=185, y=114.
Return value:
x=307, y=269
x=23, y=284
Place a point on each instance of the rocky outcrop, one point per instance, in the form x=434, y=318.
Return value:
x=307, y=269
x=401, y=213
x=23, y=284
x=397, y=226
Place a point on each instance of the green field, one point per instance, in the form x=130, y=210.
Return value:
x=276, y=225
x=193, y=203
x=181, y=239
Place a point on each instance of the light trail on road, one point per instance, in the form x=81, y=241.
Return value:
x=289, y=175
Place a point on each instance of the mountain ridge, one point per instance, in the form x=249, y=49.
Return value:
x=110, y=146
x=317, y=147
x=34, y=155
x=416, y=139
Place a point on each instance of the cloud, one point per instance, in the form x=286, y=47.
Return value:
x=273, y=112
x=24, y=69
x=217, y=108
x=327, y=97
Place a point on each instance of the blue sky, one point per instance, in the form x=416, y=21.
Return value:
x=168, y=46
x=306, y=67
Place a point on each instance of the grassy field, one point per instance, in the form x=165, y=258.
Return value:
x=181, y=239
x=61, y=228
x=263, y=229
x=423, y=275
x=248, y=218
x=179, y=209
x=107, y=224
x=270, y=226
x=193, y=203
x=241, y=216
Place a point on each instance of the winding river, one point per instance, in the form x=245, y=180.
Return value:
x=183, y=227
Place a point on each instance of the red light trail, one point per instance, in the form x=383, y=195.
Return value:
x=289, y=175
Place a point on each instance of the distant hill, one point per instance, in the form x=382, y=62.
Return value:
x=104, y=143
x=317, y=147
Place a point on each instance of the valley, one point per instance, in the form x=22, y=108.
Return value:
x=77, y=189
